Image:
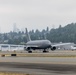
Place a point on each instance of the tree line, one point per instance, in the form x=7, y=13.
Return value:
x=60, y=34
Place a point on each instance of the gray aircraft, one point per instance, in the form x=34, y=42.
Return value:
x=40, y=44
x=37, y=44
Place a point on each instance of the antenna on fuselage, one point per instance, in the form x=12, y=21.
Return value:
x=27, y=35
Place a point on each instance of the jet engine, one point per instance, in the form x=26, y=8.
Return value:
x=53, y=48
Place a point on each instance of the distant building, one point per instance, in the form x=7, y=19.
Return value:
x=15, y=29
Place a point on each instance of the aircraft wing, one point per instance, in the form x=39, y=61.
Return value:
x=32, y=46
x=35, y=46
x=62, y=44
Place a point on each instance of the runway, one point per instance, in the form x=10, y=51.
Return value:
x=37, y=53
x=39, y=65
x=39, y=69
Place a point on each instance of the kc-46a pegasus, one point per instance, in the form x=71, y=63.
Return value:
x=39, y=44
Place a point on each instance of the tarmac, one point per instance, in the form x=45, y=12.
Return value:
x=37, y=53
x=40, y=65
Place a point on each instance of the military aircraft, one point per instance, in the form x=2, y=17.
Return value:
x=39, y=44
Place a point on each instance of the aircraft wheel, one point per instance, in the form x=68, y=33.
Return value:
x=29, y=51
x=44, y=51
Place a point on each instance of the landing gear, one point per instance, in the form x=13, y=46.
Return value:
x=45, y=51
x=30, y=51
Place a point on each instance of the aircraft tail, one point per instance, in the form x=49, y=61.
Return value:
x=27, y=35
x=44, y=36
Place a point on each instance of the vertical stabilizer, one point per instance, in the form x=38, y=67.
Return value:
x=44, y=36
x=27, y=35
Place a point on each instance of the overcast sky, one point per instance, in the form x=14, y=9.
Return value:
x=36, y=14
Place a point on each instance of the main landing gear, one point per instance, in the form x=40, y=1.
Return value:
x=30, y=51
x=45, y=51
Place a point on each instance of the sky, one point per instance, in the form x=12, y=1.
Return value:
x=36, y=14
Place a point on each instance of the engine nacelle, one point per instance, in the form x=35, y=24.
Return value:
x=27, y=48
x=53, y=48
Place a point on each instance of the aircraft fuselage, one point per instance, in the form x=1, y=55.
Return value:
x=38, y=44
